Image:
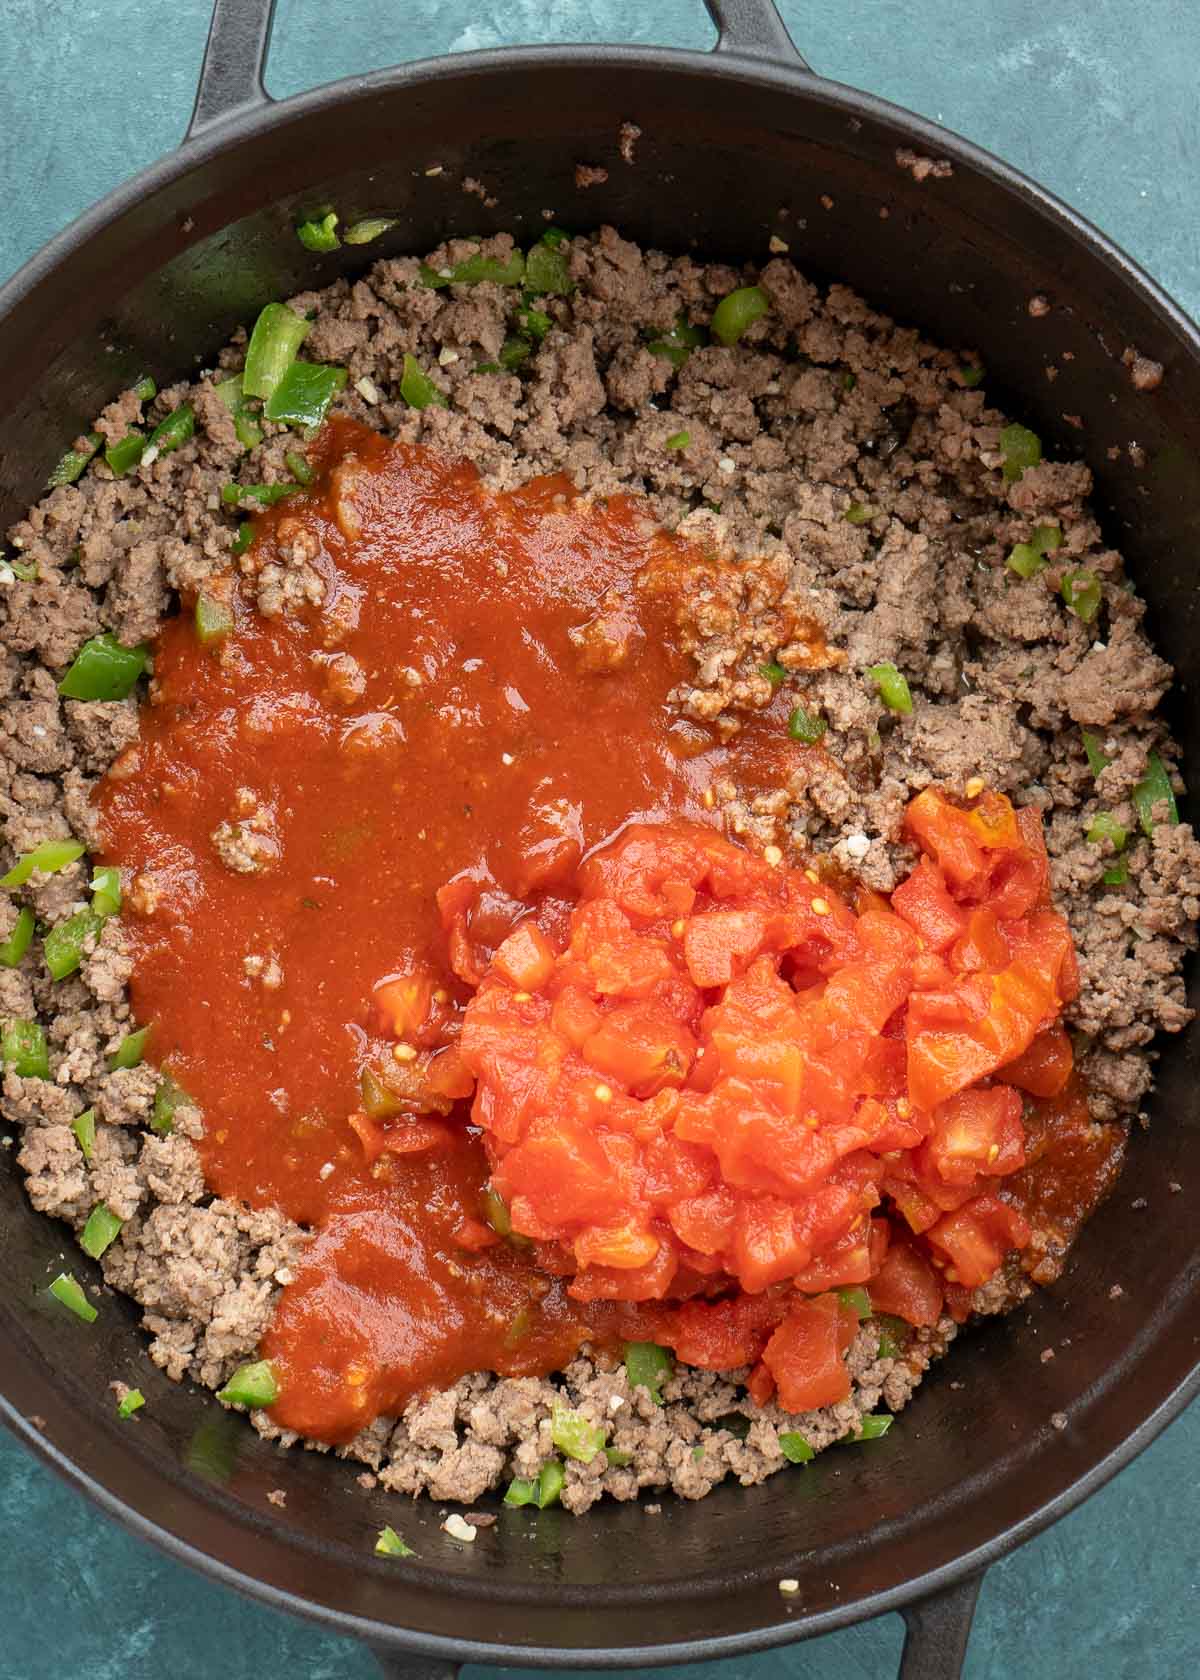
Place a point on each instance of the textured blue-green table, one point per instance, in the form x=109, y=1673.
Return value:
x=1096, y=98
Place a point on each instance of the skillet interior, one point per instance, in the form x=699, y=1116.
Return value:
x=724, y=150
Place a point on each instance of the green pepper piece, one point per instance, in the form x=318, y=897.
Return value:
x=574, y=1435
x=129, y=1052
x=84, y=1128
x=1104, y=826
x=520, y=1492
x=795, y=1448
x=122, y=457
x=805, y=726
x=145, y=390
x=106, y=891
x=169, y=1097
x=547, y=271
x=619, y=1460
x=48, y=859
x=26, y=570
x=101, y=1231
x=133, y=1401
x=278, y=334
x=266, y=495
x=389, y=1544
x=893, y=1335
x=299, y=468
x=1081, y=592
x=774, y=673
x=103, y=670
x=534, y=323
x=232, y=394
x=177, y=428
x=320, y=234
x=213, y=617
x=371, y=227
x=304, y=393
x=857, y=1300
x=474, y=270
x=677, y=345
x=64, y=945
x=1020, y=448
x=73, y=463
x=416, y=387
x=1117, y=875
x=377, y=1100
x=739, y=310
x=495, y=1211
x=245, y=536
x=249, y=432
x=972, y=374
x=17, y=943
x=860, y=513
x=678, y=440
x=648, y=1366
x=550, y=1483
x=1097, y=758
x=252, y=1385
x=67, y=1290
x=1028, y=559
x=874, y=1426
x=892, y=686
x=23, y=1048
x=1154, y=789
x=513, y=352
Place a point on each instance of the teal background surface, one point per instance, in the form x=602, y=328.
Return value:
x=1096, y=99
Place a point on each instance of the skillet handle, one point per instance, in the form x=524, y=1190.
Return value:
x=753, y=29
x=935, y=1645
x=239, y=38
x=393, y=1666
x=235, y=56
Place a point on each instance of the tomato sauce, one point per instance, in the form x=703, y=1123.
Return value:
x=333, y=821
x=506, y=710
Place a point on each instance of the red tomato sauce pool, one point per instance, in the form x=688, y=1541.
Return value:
x=478, y=700
x=483, y=692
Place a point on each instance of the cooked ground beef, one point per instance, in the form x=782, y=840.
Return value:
x=823, y=405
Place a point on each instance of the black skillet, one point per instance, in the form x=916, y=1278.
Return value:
x=736, y=144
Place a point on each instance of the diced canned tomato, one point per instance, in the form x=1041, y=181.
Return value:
x=722, y=1078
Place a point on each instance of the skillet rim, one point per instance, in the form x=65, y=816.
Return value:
x=248, y=125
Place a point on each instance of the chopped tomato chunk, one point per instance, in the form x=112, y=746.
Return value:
x=975, y=1238
x=906, y=1286
x=720, y=944
x=806, y=1355
x=1043, y=1069
x=526, y=958
x=404, y=1003
x=977, y=1132
x=730, y=1081
x=925, y=903
x=642, y=1046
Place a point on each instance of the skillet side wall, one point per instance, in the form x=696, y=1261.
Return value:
x=724, y=151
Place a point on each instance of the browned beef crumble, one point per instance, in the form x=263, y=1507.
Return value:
x=824, y=403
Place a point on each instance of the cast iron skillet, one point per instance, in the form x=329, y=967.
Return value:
x=736, y=145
